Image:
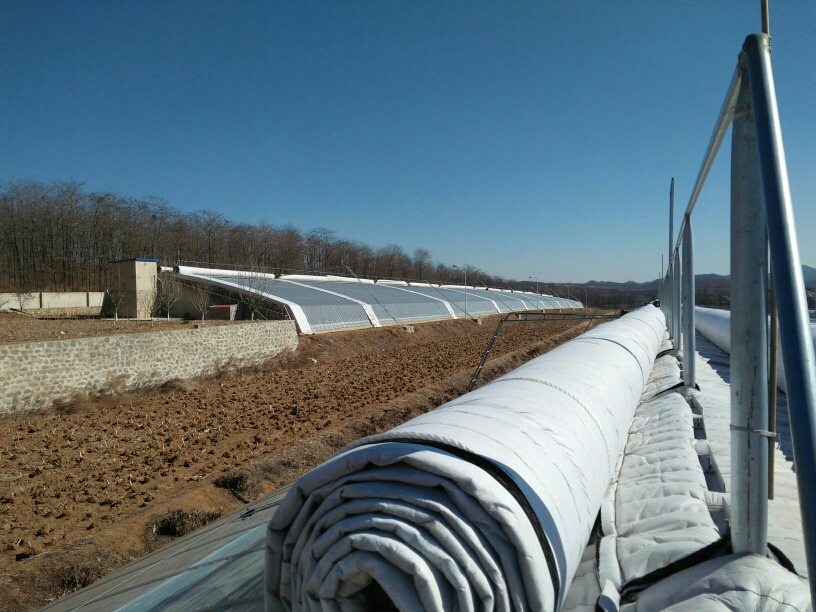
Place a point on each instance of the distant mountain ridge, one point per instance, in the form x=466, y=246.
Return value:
x=808, y=273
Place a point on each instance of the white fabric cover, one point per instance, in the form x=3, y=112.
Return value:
x=716, y=326
x=439, y=533
x=661, y=511
x=725, y=584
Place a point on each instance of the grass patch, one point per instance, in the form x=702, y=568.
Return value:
x=165, y=528
x=245, y=486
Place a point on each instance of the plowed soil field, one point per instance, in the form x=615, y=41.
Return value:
x=80, y=488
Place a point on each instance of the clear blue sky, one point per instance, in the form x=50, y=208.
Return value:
x=526, y=138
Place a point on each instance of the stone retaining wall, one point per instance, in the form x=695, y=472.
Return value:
x=37, y=374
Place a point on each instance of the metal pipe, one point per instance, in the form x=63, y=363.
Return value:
x=678, y=311
x=720, y=128
x=772, y=382
x=794, y=324
x=673, y=310
x=670, y=300
x=749, y=344
x=766, y=20
x=671, y=217
x=689, y=343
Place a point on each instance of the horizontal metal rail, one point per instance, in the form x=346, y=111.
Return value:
x=724, y=120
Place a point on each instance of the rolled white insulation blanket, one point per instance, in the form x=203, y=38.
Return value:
x=715, y=325
x=217, y=273
x=485, y=503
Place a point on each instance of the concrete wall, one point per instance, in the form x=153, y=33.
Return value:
x=136, y=279
x=88, y=302
x=35, y=375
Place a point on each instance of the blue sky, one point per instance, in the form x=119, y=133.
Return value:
x=525, y=138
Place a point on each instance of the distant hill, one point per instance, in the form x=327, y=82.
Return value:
x=614, y=285
x=808, y=273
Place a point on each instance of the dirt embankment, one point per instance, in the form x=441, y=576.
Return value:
x=81, y=489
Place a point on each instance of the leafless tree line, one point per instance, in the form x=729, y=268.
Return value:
x=60, y=237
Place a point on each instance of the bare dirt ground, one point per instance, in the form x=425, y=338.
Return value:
x=81, y=490
x=19, y=329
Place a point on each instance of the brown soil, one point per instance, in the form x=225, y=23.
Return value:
x=19, y=329
x=88, y=483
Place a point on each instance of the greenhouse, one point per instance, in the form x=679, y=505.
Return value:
x=324, y=303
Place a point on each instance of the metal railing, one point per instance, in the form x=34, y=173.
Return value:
x=761, y=217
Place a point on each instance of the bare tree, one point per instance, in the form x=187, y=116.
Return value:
x=146, y=299
x=200, y=298
x=169, y=293
x=3, y=302
x=116, y=298
x=422, y=262
x=254, y=298
x=24, y=298
x=58, y=236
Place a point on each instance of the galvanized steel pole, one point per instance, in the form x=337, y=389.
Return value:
x=668, y=301
x=671, y=219
x=678, y=311
x=794, y=324
x=689, y=343
x=749, y=337
x=669, y=298
x=672, y=323
x=673, y=313
x=773, y=353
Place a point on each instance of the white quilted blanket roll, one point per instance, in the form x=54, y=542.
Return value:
x=486, y=503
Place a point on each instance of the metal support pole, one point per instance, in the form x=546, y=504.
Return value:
x=670, y=299
x=678, y=311
x=671, y=219
x=766, y=20
x=672, y=331
x=772, y=382
x=668, y=287
x=689, y=343
x=794, y=324
x=749, y=337
x=673, y=299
